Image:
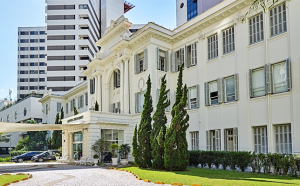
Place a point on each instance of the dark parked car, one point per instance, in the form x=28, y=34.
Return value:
x=48, y=155
x=24, y=157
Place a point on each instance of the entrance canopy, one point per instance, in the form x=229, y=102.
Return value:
x=17, y=127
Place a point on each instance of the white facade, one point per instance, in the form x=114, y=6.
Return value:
x=243, y=89
x=32, y=66
x=28, y=108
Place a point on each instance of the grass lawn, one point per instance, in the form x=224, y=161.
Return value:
x=212, y=177
x=10, y=178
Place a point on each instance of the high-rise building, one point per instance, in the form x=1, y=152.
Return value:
x=32, y=64
x=188, y=9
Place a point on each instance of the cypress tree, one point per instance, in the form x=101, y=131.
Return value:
x=178, y=90
x=145, y=129
x=75, y=111
x=159, y=126
x=59, y=135
x=135, y=147
x=96, y=106
x=55, y=133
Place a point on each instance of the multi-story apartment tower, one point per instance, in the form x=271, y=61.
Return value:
x=31, y=60
x=73, y=28
x=188, y=9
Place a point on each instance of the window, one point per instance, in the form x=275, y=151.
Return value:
x=33, y=79
x=23, y=72
x=83, y=6
x=23, y=87
x=33, y=71
x=41, y=79
x=61, y=58
x=278, y=20
x=23, y=56
x=23, y=80
x=41, y=87
x=46, y=109
x=72, y=104
x=195, y=140
x=24, y=41
x=141, y=62
x=33, y=64
x=34, y=40
x=257, y=82
x=34, y=32
x=256, y=29
x=92, y=86
x=260, y=139
x=60, y=7
x=228, y=40
x=191, y=9
x=113, y=136
x=179, y=58
x=212, y=47
x=117, y=78
x=283, y=139
x=231, y=139
x=116, y=107
x=60, y=17
x=33, y=56
x=213, y=140
x=61, y=37
x=193, y=97
x=162, y=59
x=23, y=48
x=229, y=89
x=25, y=111
x=42, y=32
x=213, y=93
x=23, y=64
x=58, y=107
x=42, y=55
x=67, y=108
x=16, y=115
x=139, y=102
x=61, y=27
x=8, y=118
x=42, y=48
x=24, y=33
x=33, y=48
x=279, y=75
x=33, y=88
x=42, y=64
x=42, y=71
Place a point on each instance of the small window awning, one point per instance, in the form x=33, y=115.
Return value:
x=19, y=127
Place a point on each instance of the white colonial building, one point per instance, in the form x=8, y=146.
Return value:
x=243, y=80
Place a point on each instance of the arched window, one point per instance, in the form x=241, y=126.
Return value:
x=25, y=111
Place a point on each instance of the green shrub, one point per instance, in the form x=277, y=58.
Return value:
x=225, y=160
x=195, y=156
x=233, y=160
x=217, y=158
x=243, y=159
x=7, y=159
x=96, y=156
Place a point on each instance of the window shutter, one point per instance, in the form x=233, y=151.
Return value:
x=225, y=139
x=78, y=104
x=236, y=86
x=288, y=73
x=167, y=61
x=176, y=61
x=250, y=84
x=135, y=64
x=186, y=57
x=173, y=61
x=220, y=82
x=94, y=85
x=218, y=140
x=157, y=96
x=91, y=86
x=268, y=75
x=198, y=95
x=194, y=54
x=208, y=146
x=115, y=79
x=157, y=58
x=145, y=65
x=169, y=98
x=136, y=102
x=67, y=109
x=235, y=139
x=206, y=93
x=86, y=98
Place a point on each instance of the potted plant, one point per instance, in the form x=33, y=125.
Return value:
x=124, y=151
x=96, y=159
x=113, y=148
x=57, y=156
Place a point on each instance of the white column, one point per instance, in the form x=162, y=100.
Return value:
x=98, y=91
x=107, y=97
x=96, y=88
x=122, y=87
x=126, y=87
x=100, y=94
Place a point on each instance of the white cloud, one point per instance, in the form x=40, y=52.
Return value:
x=1, y=90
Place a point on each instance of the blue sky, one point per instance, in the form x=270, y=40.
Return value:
x=28, y=13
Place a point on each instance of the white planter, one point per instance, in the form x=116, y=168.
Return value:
x=96, y=161
x=57, y=158
x=124, y=161
x=114, y=161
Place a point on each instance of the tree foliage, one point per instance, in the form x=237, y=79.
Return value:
x=75, y=111
x=96, y=106
x=145, y=128
x=159, y=126
x=176, y=155
x=135, y=147
x=99, y=147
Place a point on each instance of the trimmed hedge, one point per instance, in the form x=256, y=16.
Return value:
x=277, y=163
x=5, y=159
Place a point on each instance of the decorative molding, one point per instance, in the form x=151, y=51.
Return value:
x=239, y=18
x=141, y=84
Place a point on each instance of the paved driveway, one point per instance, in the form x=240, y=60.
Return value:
x=48, y=174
